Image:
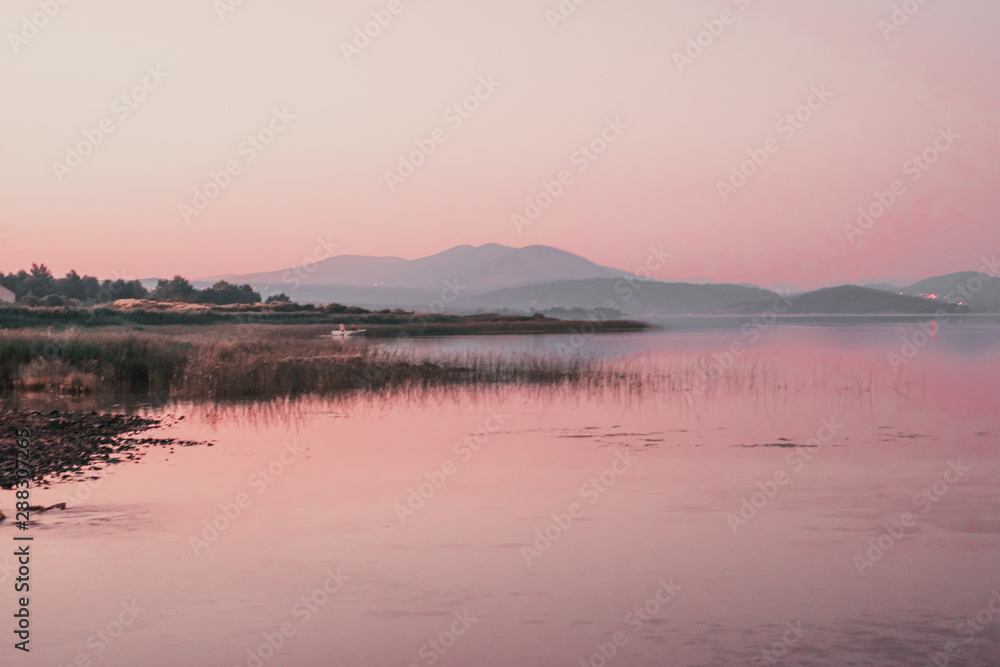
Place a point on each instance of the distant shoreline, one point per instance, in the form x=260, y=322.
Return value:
x=378, y=324
x=733, y=321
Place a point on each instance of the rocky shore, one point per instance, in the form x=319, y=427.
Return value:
x=68, y=446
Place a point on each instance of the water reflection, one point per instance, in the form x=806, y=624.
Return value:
x=851, y=381
x=421, y=503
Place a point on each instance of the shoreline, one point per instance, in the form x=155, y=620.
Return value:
x=73, y=445
x=379, y=324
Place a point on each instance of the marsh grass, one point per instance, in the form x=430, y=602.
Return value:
x=257, y=362
x=112, y=360
x=265, y=362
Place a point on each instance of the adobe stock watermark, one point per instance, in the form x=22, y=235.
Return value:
x=230, y=512
x=636, y=619
x=899, y=17
x=323, y=251
x=303, y=611
x=769, y=488
x=82, y=490
x=450, y=293
x=698, y=43
x=626, y=288
x=591, y=491
x=928, y=497
x=968, y=629
x=454, y=116
x=463, y=450
x=916, y=341
x=779, y=650
x=926, y=331
x=711, y=372
x=365, y=34
x=121, y=109
x=122, y=274
x=785, y=127
x=914, y=168
x=224, y=7
x=247, y=151
x=632, y=283
x=375, y=372
x=582, y=158
x=103, y=638
x=563, y=12
x=33, y=24
x=435, y=648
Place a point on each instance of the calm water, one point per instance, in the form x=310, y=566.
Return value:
x=806, y=503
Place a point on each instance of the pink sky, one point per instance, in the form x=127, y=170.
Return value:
x=118, y=212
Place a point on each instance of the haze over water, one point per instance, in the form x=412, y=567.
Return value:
x=544, y=518
x=224, y=199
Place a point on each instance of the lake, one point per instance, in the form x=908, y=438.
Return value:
x=805, y=496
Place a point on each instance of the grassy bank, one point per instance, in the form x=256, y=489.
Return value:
x=246, y=362
x=383, y=323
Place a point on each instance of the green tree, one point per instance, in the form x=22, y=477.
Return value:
x=223, y=293
x=71, y=286
x=175, y=289
x=40, y=281
x=121, y=289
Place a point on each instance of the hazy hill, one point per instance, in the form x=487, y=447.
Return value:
x=884, y=287
x=475, y=269
x=630, y=297
x=339, y=270
x=851, y=300
x=987, y=298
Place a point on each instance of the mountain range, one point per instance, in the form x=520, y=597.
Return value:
x=494, y=277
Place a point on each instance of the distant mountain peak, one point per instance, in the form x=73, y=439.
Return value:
x=477, y=269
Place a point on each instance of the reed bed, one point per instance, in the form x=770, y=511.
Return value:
x=71, y=363
x=263, y=363
x=260, y=363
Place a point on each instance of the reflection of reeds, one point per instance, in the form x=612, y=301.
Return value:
x=264, y=369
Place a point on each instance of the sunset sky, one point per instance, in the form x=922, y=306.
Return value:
x=184, y=85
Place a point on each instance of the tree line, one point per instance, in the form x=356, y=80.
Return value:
x=38, y=287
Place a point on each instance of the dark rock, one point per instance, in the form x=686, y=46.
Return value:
x=62, y=445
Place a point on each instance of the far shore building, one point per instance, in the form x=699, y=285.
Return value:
x=6, y=296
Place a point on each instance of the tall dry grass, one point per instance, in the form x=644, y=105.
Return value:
x=262, y=362
x=265, y=362
x=112, y=361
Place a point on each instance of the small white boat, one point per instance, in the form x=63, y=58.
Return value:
x=346, y=332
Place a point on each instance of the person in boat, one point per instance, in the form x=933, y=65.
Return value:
x=354, y=327
x=342, y=328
